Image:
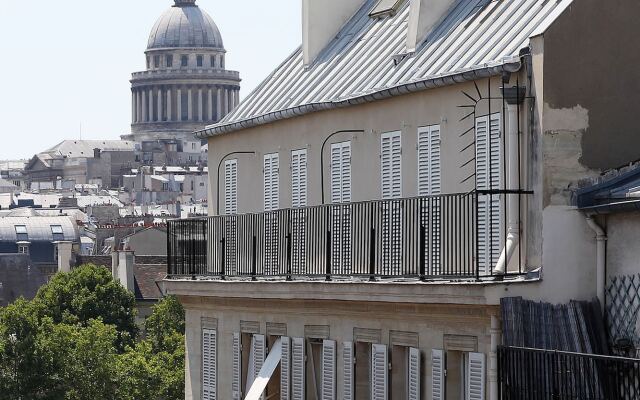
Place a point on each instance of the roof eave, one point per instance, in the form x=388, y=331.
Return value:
x=513, y=65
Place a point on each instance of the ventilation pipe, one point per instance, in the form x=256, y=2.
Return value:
x=514, y=96
x=601, y=260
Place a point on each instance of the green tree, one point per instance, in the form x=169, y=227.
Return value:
x=166, y=319
x=88, y=293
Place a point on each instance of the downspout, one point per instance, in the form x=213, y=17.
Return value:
x=601, y=260
x=514, y=96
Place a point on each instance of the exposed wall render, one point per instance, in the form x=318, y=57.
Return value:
x=562, y=149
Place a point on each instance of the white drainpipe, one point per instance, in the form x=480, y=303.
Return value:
x=601, y=260
x=513, y=211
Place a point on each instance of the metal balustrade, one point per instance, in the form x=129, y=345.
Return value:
x=533, y=374
x=452, y=237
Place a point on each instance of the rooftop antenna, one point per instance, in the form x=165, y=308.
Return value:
x=80, y=130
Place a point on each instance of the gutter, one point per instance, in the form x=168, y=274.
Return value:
x=601, y=260
x=412, y=87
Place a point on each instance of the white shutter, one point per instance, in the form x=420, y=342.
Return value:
x=489, y=177
x=209, y=375
x=437, y=375
x=391, y=165
x=297, y=369
x=231, y=187
x=271, y=182
x=328, y=370
x=285, y=369
x=476, y=377
x=259, y=349
x=299, y=178
x=379, y=372
x=341, y=172
x=236, y=391
x=413, y=380
x=429, y=164
x=348, y=372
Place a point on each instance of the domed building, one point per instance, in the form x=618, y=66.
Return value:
x=186, y=85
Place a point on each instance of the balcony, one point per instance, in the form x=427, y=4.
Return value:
x=453, y=237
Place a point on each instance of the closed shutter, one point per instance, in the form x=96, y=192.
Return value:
x=348, y=371
x=414, y=374
x=271, y=182
x=379, y=372
x=298, y=217
x=236, y=391
x=328, y=370
x=297, y=369
x=391, y=165
x=340, y=216
x=437, y=375
x=476, y=377
x=209, y=376
x=299, y=178
x=231, y=187
x=488, y=177
x=430, y=184
x=391, y=184
x=285, y=369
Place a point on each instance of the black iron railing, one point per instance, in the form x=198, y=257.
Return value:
x=456, y=236
x=532, y=374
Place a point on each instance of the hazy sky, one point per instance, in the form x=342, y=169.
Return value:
x=64, y=63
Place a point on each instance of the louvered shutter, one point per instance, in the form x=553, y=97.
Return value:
x=328, y=370
x=236, y=391
x=285, y=369
x=259, y=349
x=271, y=182
x=488, y=177
x=476, y=377
x=341, y=172
x=209, y=373
x=299, y=178
x=437, y=375
x=430, y=184
x=231, y=187
x=297, y=369
x=379, y=372
x=414, y=374
x=391, y=165
x=348, y=371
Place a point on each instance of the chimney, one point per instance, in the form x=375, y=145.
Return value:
x=96, y=153
x=424, y=15
x=64, y=256
x=122, y=268
x=321, y=22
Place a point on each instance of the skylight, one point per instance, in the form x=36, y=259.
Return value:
x=384, y=8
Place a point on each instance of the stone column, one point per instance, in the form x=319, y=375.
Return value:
x=169, y=110
x=200, y=104
x=237, y=98
x=225, y=101
x=496, y=340
x=137, y=94
x=179, y=104
x=159, y=104
x=133, y=106
x=144, y=106
x=150, y=105
x=189, y=105
x=219, y=114
x=210, y=104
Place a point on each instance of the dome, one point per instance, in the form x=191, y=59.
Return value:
x=185, y=25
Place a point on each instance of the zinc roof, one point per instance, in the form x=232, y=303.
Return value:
x=369, y=55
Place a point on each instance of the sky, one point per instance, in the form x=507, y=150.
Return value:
x=67, y=64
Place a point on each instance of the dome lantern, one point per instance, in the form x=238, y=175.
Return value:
x=183, y=3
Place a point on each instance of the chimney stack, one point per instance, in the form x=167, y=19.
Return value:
x=122, y=268
x=65, y=250
x=321, y=22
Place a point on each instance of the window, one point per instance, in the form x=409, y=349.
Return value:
x=271, y=181
x=488, y=177
x=21, y=233
x=384, y=8
x=192, y=186
x=429, y=168
x=23, y=249
x=148, y=62
x=156, y=61
x=212, y=61
x=299, y=178
x=169, y=61
x=165, y=186
x=58, y=233
x=391, y=165
x=341, y=172
x=464, y=377
x=209, y=364
x=193, y=146
x=231, y=186
x=199, y=61
x=184, y=61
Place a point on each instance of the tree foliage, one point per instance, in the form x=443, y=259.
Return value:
x=66, y=345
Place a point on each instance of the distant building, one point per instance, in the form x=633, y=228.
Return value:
x=186, y=85
x=77, y=162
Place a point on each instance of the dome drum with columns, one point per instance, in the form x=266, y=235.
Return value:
x=186, y=85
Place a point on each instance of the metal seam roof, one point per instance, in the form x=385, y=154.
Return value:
x=477, y=38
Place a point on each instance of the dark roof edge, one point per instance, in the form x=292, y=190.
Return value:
x=411, y=87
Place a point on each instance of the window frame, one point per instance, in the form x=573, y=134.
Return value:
x=184, y=60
